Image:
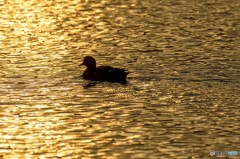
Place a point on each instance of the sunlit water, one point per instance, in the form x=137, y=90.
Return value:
x=181, y=100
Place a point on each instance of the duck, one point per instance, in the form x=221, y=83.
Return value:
x=102, y=73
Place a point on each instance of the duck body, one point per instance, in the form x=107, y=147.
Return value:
x=103, y=73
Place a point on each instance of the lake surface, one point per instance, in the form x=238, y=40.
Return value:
x=181, y=100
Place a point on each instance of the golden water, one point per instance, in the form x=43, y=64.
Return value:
x=181, y=100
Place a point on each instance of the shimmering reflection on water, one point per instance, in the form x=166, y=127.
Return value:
x=182, y=99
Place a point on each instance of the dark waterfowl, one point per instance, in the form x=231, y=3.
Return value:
x=102, y=73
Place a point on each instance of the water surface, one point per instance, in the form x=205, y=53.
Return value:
x=181, y=100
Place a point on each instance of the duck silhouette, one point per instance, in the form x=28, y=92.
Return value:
x=102, y=73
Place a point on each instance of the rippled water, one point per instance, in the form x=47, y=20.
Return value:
x=181, y=100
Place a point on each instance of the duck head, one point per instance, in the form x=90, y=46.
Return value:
x=89, y=62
